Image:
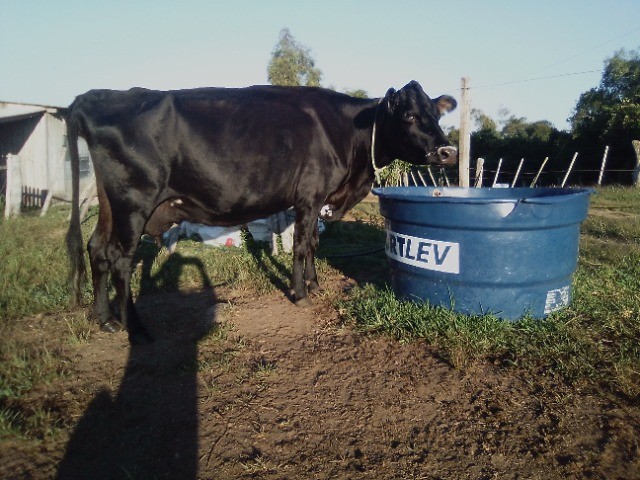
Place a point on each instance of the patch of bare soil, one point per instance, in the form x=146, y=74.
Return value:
x=280, y=392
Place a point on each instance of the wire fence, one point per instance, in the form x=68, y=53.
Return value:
x=557, y=173
x=494, y=177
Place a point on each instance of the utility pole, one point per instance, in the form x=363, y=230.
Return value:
x=465, y=134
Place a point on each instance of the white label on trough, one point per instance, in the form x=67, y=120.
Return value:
x=556, y=299
x=423, y=252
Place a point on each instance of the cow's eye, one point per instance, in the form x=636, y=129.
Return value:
x=410, y=117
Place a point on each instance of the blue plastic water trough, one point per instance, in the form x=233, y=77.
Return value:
x=504, y=251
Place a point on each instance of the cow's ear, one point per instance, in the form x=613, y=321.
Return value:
x=445, y=104
x=391, y=100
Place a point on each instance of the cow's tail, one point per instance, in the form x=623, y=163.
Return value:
x=75, y=247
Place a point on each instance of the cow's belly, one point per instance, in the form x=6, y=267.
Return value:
x=178, y=209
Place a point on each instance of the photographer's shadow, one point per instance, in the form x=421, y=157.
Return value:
x=149, y=428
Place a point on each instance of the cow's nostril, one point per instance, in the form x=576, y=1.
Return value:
x=446, y=152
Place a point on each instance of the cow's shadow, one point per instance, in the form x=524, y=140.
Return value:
x=272, y=266
x=149, y=427
x=356, y=249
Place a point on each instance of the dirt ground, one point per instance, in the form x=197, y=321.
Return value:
x=241, y=387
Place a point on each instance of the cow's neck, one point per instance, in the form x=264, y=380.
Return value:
x=379, y=158
x=376, y=169
x=362, y=167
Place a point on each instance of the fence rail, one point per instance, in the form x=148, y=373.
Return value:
x=33, y=198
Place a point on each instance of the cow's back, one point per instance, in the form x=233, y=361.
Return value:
x=244, y=153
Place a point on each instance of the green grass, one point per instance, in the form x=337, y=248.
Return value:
x=595, y=341
x=33, y=272
x=23, y=366
x=196, y=266
x=34, y=269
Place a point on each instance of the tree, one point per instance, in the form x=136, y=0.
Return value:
x=610, y=114
x=615, y=104
x=358, y=93
x=511, y=138
x=541, y=131
x=484, y=123
x=515, y=127
x=291, y=63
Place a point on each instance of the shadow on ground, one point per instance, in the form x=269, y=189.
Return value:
x=149, y=427
x=357, y=250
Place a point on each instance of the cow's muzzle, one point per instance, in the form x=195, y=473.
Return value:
x=445, y=156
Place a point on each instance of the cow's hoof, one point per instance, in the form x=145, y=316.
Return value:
x=140, y=338
x=314, y=288
x=303, y=302
x=111, y=326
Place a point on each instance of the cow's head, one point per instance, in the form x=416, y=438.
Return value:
x=412, y=132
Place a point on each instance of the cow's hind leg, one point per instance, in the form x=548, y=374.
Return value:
x=121, y=256
x=100, y=267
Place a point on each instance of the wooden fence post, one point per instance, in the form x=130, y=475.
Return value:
x=636, y=171
x=564, y=181
x=515, y=179
x=435, y=184
x=47, y=202
x=465, y=134
x=479, y=172
x=422, y=179
x=443, y=173
x=604, y=161
x=13, y=193
x=535, y=179
x=495, y=178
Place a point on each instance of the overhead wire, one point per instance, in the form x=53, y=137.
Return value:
x=590, y=49
x=563, y=60
x=536, y=79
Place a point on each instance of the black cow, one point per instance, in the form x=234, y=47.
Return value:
x=228, y=156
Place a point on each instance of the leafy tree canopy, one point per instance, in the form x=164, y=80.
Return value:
x=291, y=63
x=614, y=106
x=358, y=93
x=483, y=122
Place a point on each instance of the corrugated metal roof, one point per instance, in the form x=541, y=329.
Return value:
x=13, y=112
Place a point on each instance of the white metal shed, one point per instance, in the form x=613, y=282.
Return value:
x=34, y=159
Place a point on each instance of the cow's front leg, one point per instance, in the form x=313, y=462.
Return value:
x=306, y=221
x=310, y=274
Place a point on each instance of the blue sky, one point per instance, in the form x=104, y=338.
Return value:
x=52, y=51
